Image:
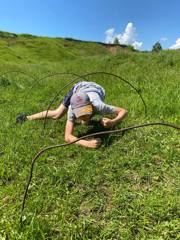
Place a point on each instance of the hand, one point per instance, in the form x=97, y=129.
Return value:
x=106, y=122
x=94, y=143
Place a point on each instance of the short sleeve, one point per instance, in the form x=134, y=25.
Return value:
x=102, y=108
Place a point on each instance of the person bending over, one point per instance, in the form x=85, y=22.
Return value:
x=82, y=102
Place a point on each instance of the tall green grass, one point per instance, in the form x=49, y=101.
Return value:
x=127, y=189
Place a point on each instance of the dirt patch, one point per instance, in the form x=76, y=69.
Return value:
x=114, y=48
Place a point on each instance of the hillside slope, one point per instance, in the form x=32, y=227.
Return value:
x=126, y=189
x=30, y=49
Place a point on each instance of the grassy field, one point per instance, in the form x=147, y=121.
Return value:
x=128, y=188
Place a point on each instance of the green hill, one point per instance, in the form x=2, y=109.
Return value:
x=128, y=188
x=30, y=49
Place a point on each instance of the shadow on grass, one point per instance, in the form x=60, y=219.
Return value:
x=107, y=139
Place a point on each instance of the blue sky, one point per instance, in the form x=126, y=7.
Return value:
x=137, y=22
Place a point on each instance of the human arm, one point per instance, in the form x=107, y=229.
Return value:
x=120, y=114
x=69, y=137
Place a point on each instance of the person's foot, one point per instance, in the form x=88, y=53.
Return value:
x=21, y=118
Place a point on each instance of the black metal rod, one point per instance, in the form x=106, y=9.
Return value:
x=84, y=137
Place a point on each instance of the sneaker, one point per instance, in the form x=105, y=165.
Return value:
x=21, y=118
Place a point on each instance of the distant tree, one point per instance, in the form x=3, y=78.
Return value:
x=116, y=41
x=157, y=47
x=131, y=47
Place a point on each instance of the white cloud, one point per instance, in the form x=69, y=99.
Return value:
x=176, y=45
x=110, y=35
x=137, y=45
x=128, y=37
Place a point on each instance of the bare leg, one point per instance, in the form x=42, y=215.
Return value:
x=54, y=114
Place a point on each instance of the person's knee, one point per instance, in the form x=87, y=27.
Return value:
x=56, y=114
x=59, y=112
